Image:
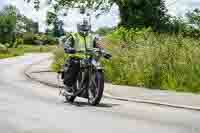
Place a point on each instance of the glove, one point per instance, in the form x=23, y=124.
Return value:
x=107, y=55
x=70, y=50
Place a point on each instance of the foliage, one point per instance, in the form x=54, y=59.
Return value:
x=104, y=31
x=194, y=17
x=46, y=39
x=18, y=42
x=162, y=61
x=37, y=39
x=53, y=20
x=29, y=38
x=179, y=25
x=59, y=59
x=25, y=24
x=7, y=24
x=143, y=13
x=3, y=48
x=13, y=23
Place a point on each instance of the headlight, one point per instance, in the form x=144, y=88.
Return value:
x=95, y=63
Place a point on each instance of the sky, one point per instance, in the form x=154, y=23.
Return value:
x=175, y=7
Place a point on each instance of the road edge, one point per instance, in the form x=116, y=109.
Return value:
x=30, y=77
x=106, y=94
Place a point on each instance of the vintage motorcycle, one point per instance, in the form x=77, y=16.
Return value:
x=90, y=80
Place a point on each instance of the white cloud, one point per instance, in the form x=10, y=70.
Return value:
x=3, y=3
x=180, y=7
x=108, y=20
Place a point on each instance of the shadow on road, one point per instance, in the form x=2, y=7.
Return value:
x=85, y=104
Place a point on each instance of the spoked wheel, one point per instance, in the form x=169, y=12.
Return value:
x=96, y=88
x=70, y=98
x=76, y=86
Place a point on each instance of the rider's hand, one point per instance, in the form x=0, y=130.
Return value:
x=70, y=50
x=107, y=56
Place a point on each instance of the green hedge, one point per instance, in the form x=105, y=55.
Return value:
x=37, y=39
x=3, y=48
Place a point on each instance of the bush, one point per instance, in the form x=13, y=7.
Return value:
x=59, y=59
x=38, y=39
x=29, y=38
x=104, y=31
x=7, y=45
x=51, y=40
x=18, y=41
x=143, y=58
x=3, y=48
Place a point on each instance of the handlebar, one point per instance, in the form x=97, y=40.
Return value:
x=90, y=52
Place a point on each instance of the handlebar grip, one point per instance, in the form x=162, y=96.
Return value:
x=107, y=56
x=70, y=50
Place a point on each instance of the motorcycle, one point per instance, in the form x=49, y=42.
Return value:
x=90, y=80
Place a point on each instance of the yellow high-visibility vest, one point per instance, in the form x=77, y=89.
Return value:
x=79, y=44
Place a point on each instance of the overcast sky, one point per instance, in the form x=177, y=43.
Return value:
x=175, y=7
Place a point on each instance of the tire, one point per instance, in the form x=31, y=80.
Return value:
x=99, y=79
x=72, y=98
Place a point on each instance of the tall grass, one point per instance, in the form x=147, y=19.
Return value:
x=160, y=61
x=59, y=59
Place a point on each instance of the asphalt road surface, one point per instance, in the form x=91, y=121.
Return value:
x=29, y=107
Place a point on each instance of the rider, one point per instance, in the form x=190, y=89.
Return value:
x=74, y=45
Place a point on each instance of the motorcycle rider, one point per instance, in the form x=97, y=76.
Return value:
x=75, y=46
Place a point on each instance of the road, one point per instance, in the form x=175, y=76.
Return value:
x=29, y=107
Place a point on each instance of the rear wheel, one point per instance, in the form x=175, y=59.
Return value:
x=96, y=88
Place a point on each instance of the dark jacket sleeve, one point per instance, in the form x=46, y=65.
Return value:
x=69, y=42
x=69, y=45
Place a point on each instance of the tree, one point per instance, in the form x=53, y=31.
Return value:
x=143, y=13
x=194, y=23
x=194, y=17
x=7, y=24
x=25, y=24
x=12, y=23
x=52, y=20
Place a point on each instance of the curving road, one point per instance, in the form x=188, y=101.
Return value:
x=29, y=107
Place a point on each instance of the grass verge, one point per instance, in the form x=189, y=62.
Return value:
x=12, y=52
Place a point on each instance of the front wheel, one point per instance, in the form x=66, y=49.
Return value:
x=70, y=99
x=96, y=88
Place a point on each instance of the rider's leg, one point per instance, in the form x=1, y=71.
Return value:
x=71, y=74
